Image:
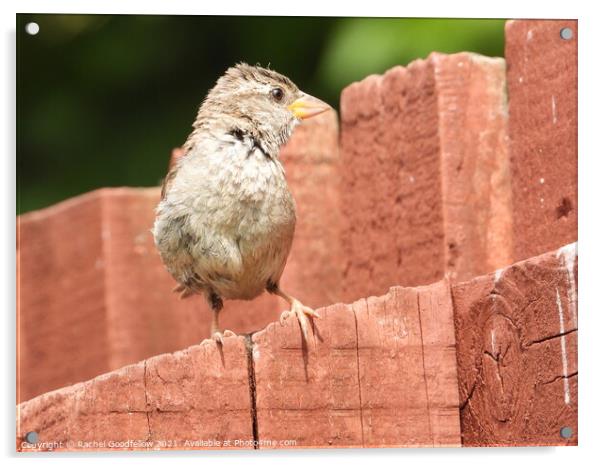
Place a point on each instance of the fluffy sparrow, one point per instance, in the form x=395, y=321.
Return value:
x=226, y=219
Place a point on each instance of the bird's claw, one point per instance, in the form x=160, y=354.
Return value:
x=301, y=312
x=218, y=336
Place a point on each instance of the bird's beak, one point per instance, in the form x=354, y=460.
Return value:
x=308, y=106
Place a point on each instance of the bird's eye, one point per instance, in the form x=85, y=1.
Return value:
x=277, y=94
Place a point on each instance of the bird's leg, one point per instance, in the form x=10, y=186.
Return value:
x=299, y=310
x=217, y=304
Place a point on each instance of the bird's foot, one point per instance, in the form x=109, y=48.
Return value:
x=301, y=312
x=184, y=291
x=218, y=336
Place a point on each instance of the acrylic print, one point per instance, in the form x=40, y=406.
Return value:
x=288, y=233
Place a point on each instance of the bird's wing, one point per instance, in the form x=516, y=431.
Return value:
x=171, y=174
x=176, y=155
x=173, y=238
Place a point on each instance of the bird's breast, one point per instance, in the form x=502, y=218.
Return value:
x=238, y=207
x=240, y=194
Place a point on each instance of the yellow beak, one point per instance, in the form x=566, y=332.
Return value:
x=307, y=106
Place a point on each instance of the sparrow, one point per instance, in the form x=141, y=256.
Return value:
x=226, y=219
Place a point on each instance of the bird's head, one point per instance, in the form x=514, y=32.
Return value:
x=262, y=101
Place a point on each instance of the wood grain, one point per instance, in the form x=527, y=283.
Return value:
x=379, y=372
x=516, y=333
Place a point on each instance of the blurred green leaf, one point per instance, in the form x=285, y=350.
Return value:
x=363, y=46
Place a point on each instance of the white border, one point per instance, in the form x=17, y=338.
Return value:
x=589, y=214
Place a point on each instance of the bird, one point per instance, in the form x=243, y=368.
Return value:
x=225, y=221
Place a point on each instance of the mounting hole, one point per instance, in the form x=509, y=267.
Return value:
x=31, y=437
x=566, y=33
x=566, y=432
x=32, y=28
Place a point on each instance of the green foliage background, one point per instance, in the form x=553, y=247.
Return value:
x=102, y=100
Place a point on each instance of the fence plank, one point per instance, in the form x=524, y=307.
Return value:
x=172, y=401
x=476, y=187
x=424, y=156
x=516, y=333
x=60, y=297
x=542, y=92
